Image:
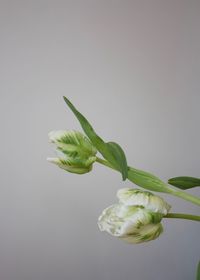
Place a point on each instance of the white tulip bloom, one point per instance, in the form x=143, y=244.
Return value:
x=130, y=223
x=137, y=216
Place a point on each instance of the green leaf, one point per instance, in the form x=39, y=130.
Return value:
x=198, y=272
x=147, y=180
x=120, y=158
x=111, y=152
x=184, y=182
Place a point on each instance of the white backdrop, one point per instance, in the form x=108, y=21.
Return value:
x=132, y=67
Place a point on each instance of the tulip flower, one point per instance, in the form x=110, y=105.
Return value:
x=136, y=218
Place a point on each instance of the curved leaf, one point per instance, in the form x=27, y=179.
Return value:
x=147, y=180
x=184, y=182
x=120, y=158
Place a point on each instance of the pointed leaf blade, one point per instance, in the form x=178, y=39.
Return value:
x=184, y=182
x=89, y=131
x=111, y=152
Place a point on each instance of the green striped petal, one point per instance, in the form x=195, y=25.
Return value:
x=136, y=197
x=73, y=166
x=72, y=143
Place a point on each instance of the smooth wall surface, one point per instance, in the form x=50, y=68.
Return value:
x=132, y=67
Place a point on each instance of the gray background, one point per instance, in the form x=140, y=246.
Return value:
x=132, y=67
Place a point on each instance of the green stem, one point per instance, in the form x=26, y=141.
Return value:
x=185, y=196
x=183, y=216
x=104, y=162
x=139, y=178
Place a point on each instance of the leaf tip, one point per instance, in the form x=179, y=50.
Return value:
x=65, y=99
x=69, y=104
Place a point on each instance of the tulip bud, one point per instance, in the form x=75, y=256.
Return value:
x=136, y=197
x=76, y=153
x=136, y=218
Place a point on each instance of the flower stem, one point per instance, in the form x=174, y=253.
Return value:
x=163, y=186
x=104, y=162
x=183, y=216
x=186, y=196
